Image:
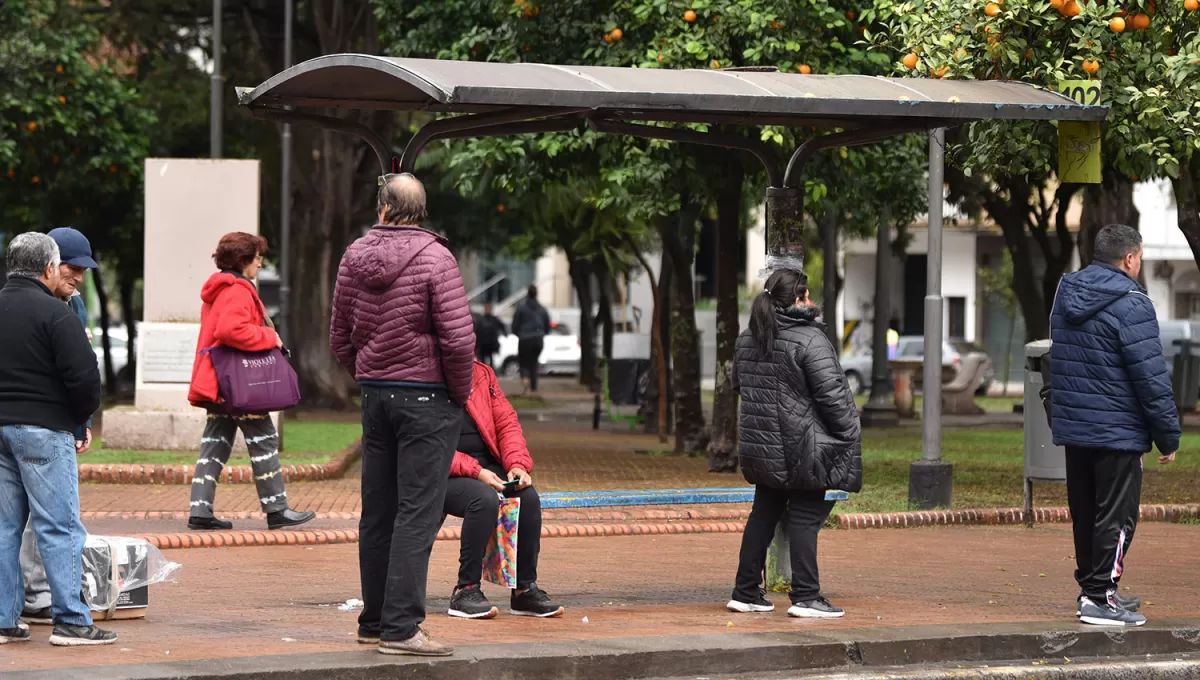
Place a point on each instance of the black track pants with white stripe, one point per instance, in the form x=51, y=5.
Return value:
x=1104, y=490
x=263, y=443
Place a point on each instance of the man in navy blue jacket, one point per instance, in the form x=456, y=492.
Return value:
x=1112, y=402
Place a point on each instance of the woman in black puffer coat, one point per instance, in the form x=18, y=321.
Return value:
x=798, y=436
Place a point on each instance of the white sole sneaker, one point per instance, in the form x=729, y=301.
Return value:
x=806, y=613
x=61, y=641
x=489, y=614
x=548, y=615
x=1097, y=621
x=749, y=607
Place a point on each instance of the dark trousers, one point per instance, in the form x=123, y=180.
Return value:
x=478, y=506
x=409, y=435
x=528, y=353
x=487, y=354
x=1104, y=490
x=807, y=512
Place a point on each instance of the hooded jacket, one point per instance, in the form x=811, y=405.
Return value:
x=531, y=321
x=1110, y=387
x=232, y=315
x=498, y=427
x=400, y=313
x=799, y=427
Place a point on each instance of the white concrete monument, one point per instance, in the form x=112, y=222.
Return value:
x=190, y=205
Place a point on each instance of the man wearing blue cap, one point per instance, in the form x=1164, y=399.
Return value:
x=76, y=254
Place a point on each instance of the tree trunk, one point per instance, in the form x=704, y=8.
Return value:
x=722, y=448
x=580, y=270
x=604, y=316
x=129, y=315
x=679, y=241
x=656, y=412
x=1187, y=203
x=830, y=284
x=110, y=376
x=1103, y=204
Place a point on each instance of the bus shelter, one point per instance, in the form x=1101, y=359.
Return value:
x=498, y=99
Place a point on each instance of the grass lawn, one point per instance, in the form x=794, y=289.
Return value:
x=305, y=442
x=988, y=467
x=989, y=404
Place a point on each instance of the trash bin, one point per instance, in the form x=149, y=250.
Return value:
x=1181, y=349
x=1044, y=462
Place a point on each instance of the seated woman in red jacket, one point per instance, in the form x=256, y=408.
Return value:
x=491, y=449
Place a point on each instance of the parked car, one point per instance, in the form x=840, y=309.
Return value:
x=118, y=340
x=858, y=367
x=561, y=353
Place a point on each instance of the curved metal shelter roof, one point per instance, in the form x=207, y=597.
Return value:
x=757, y=97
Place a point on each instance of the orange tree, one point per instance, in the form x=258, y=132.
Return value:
x=667, y=185
x=1147, y=55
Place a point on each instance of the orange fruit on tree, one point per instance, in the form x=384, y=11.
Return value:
x=804, y=68
x=1029, y=53
x=62, y=99
x=714, y=64
x=660, y=58
x=31, y=126
x=617, y=34
x=1191, y=5
x=500, y=208
x=960, y=54
x=939, y=72
x=850, y=14
x=1091, y=66
x=689, y=16
x=12, y=172
x=1141, y=22
x=36, y=179
x=59, y=69
x=910, y=61
x=992, y=9
x=774, y=24
x=1117, y=25
x=1058, y=4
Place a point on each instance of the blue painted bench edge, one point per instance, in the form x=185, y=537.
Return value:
x=600, y=499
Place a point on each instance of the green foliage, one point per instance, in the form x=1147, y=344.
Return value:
x=72, y=134
x=996, y=284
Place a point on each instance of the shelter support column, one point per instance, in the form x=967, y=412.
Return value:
x=930, y=480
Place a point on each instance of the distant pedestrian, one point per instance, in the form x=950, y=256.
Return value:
x=402, y=326
x=232, y=315
x=799, y=436
x=531, y=325
x=76, y=259
x=491, y=451
x=49, y=387
x=488, y=331
x=1111, y=400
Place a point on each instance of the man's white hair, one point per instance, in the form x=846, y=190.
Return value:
x=30, y=254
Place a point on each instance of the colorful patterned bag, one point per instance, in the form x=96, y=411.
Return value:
x=500, y=559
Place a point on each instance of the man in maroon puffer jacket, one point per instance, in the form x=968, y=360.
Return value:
x=401, y=324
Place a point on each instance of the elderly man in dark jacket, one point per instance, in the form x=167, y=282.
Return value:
x=798, y=436
x=402, y=326
x=1111, y=401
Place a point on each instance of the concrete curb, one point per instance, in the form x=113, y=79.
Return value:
x=232, y=474
x=690, y=656
x=997, y=517
x=1111, y=670
x=548, y=515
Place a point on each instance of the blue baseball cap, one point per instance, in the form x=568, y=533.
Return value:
x=73, y=247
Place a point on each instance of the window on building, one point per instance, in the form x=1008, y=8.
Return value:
x=957, y=321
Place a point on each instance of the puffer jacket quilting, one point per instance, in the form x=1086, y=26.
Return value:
x=799, y=427
x=1109, y=383
x=400, y=312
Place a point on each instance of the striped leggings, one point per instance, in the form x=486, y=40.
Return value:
x=217, y=443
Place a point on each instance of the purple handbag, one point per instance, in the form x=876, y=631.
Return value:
x=254, y=382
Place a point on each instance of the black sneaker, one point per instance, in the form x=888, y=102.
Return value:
x=18, y=634
x=820, y=608
x=760, y=604
x=1108, y=613
x=66, y=635
x=208, y=524
x=1129, y=604
x=534, y=602
x=38, y=617
x=469, y=602
x=288, y=518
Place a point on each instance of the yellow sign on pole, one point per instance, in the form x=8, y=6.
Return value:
x=1079, y=160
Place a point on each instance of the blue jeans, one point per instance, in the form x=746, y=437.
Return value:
x=38, y=478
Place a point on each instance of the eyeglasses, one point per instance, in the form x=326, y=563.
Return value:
x=384, y=179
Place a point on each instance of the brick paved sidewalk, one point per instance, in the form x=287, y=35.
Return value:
x=250, y=602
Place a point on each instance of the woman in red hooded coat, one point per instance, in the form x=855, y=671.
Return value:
x=233, y=315
x=492, y=449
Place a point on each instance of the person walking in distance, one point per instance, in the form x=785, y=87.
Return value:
x=402, y=326
x=1111, y=401
x=531, y=325
x=798, y=436
x=75, y=253
x=488, y=331
x=49, y=387
x=233, y=315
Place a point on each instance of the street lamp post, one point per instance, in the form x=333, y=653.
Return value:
x=215, y=83
x=285, y=191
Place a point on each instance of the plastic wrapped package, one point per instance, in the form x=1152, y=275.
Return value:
x=117, y=571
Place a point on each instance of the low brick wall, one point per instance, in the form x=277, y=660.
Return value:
x=232, y=474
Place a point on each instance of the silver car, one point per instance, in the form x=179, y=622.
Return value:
x=858, y=367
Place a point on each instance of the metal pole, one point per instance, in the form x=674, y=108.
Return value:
x=931, y=410
x=829, y=235
x=285, y=192
x=215, y=83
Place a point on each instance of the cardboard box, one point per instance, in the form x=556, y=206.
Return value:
x=133, y=599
